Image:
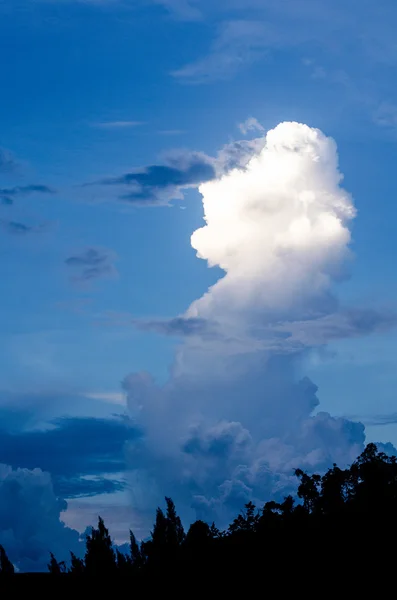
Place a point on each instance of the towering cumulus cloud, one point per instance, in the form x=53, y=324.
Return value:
x=236, y=416
x=278, y=228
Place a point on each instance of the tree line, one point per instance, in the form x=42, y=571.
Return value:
x=332, y=523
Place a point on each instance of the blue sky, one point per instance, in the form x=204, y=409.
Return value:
x=111, y=116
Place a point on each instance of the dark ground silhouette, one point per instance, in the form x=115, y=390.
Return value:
x=341, y=528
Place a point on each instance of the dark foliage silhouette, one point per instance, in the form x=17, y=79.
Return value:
x=6, y=566
x=343, y=521
x=55, y=567
x=100, y=558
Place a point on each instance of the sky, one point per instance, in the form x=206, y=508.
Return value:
x=197, y=242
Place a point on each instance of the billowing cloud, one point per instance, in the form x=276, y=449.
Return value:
x=236, y=416
x=92, y=263
x=30, y=519
x=279, y=230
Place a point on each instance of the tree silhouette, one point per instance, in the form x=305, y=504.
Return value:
x=123, y=562
x=342, y=519
x=247, y=521
x=137, y=559
x=54, y=567
x=215, y=532
x=100, y=559
x=199, y=533
x=6, y=566
x=77, y=566
x=175, y=532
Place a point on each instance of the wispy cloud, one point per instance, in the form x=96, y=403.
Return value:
x=386, y=115
x=7, y=195
x=342, y=324
x=269, y=25
x=8, y=161
x=186, y=10
x=178, y=326
x=171, y=132
x=92, y=263
x=158, y=184
x=375, y=420
x=118, y=124
x=238, y=43
x=19, y=228
x=282, y=337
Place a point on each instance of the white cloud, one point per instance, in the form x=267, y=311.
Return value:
x=250, y=124
x=235, y=418
x=278, y=228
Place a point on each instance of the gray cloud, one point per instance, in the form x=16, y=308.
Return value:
x=18, y=228
x=375, y=420
x=70, y=448
x=342, y=324
x=233, y=437
x=158, y=184
x=7, y=195
x=92, y=263
x=387, y=448
x=178, y=326
x=30, y=519
x=278, y=337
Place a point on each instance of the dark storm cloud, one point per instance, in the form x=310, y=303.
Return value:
x=71, y=450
